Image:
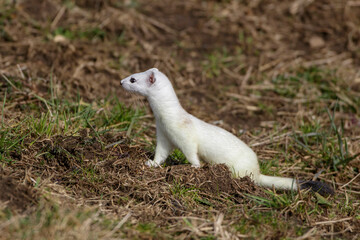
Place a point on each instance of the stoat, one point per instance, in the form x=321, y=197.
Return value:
x=176, y=128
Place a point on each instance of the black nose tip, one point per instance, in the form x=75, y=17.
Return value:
x=120, y=82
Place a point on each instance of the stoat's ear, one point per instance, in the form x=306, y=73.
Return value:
x=152, y=78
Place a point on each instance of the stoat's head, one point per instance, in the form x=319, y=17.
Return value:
x=145, y=83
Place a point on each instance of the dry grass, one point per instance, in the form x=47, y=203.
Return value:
x=282, y=75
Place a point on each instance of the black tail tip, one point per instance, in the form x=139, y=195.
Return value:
x=322, y=188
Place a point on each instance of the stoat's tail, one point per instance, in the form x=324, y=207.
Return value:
x=291, y=184
x=278, y=182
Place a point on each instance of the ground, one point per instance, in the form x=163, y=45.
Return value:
x=281, y=75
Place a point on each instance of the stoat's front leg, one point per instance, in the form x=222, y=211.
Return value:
x=191, y=154
x=163, y=149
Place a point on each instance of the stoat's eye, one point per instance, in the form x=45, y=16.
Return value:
x=132, y=80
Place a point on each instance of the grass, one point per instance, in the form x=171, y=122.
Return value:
x=89, y=34
x=84, y=158
x=189, y=194
x=177, y=157
x=328, y=142
x=273, y=200
x=54, y=117
x=55, y=222
x=216, y=61
x=321, y=84
x=10, y=142
x=308, y=78
x=324, y=139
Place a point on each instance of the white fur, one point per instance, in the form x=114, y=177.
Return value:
x=175, y=128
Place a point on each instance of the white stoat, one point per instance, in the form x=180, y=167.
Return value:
x=176, y=128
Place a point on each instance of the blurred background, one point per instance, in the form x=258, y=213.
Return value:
x=230, y=60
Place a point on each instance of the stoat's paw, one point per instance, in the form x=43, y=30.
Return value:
x=152, y=163
x=195, y=166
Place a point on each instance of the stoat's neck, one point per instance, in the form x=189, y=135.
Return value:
x=166, y=106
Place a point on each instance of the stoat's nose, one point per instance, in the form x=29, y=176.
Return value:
x=121, y=82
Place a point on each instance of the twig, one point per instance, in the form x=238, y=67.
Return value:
x=115, y=143
x=317, y=174
x=333, y=221
x=280, y=137
x=336, y=233
x=246, y=78
x=308, y=234
x=274, y=139
x=156, y=23
x=217, y=224
x=327, y=60
x=155, y=180
x=21, y=72
x=350, y=181
x=58, y=17
x=190, y=217
x=118, y=226
x=10, y=82
x=2, y=111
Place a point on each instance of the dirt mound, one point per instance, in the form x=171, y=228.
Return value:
x=173, y=190
x=67, y=152
x=213, y=179
x=17, y=196
x=116, y=177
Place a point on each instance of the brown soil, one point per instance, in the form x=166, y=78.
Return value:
x=215, y=52
x=178, y=43
x=16, y=195
x=114, y=175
